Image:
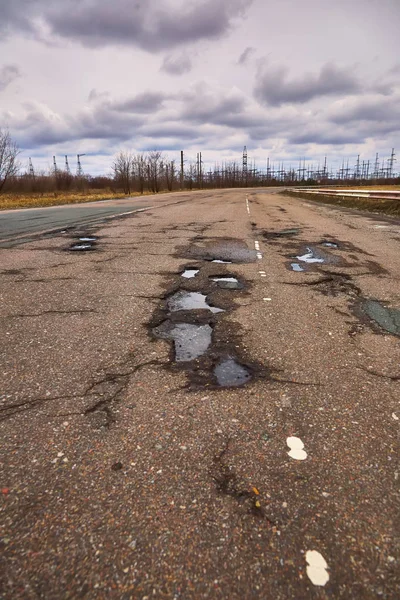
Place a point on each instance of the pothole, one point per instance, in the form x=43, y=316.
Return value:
x=222, y=262
x=83, y=247
x=184, y=300
x=88, y=239
x=227, y=283
x=328, y=244
x=283, y=233
x=190, y=341
x=224, y=251
x=230, y=373
x=311, y=257
x=387, y=318
x=190, y=273
x=296, y=267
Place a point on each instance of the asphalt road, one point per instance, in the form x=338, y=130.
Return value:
x=23, y=225
x=128, y=474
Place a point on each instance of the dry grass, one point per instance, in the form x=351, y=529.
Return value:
x=376, y=205
x=10, y=201
x=376, y=188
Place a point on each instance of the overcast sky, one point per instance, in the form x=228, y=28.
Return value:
x=290, y=79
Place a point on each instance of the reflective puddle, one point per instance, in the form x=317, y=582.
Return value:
x=227, y=283
x=329, y=244
x=87, y=239
x=387, y=318
x=222, y=262
x=190, y=273
x=81, y=247
x=296, y=267
x=310, y=257
x=190, y=301
x=190, y=341
x=230, y=373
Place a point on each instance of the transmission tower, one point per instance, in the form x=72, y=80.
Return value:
x=31, y=169
x=79, y=170
x=67, y=169
x=391, y=163
x=54, y=165
x=244, y=171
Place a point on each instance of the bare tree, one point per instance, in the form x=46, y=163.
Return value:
x=170, y=174
x=122, y=167
x=139, y=171
x=156, y=169
x=9, y=165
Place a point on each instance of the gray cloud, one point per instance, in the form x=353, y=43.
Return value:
x=246, y=55
x=147, y=102
x=177, y=65
x=383, y=110
x=8, y=74
x=274, y=88
x=154, y=25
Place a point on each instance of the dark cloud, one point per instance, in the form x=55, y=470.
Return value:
x=153, y=25
x=177, y=65
x=246, y=55
x=328, y=137
x=148, y=102
x=381, y=110
x=273, y=87
x=8, y=74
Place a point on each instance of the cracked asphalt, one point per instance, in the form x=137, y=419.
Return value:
x=127, y=475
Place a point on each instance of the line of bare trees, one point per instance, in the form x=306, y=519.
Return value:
x=151, y=172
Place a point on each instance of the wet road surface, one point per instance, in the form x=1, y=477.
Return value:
x=154, y=448
x=22, y=225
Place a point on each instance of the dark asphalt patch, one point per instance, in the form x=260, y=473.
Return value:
x=223, y=249
x=387, y=318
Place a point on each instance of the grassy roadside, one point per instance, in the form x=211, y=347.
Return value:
x=387, y=207
x=10, y=201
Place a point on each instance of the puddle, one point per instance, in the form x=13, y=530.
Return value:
x=87, y=239
x=190, y=301
x=230, y=373
x=329, y=244
x=296, y=267
x=190, y=341
x=222, y=262
x=310, y=257
x=227, y=283
x=81, y=247
x=190, y=273
x=387, y=318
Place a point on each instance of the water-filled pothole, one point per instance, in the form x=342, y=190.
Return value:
x=190, y=301
x=222, y=262
x=190, y=273
x=87, y=239
x=83, y=247
x=311, y=257
x=227, y=283
x=229, y=373
x=387, y=318
x=328, y=244
x=296, y=267
x=190, y=341
x=224, y=251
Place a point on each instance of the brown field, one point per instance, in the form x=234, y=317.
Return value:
x=10, y=201
x=375, y=205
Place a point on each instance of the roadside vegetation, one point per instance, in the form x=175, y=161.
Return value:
x=150, y=173
x=376, y=205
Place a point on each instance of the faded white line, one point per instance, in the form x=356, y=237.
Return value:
x=317, y=568
x=247, y=206
x=296, y=448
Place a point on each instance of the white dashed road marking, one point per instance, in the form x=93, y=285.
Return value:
x=296, y=448
x=317, y=568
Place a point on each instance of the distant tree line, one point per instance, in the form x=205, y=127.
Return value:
x=154, y=172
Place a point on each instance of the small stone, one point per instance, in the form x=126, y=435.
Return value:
x=133, y=544
x=158, y=447
x=117, y=466
x=395, y=417
x=60, y=454
x=126, y=570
